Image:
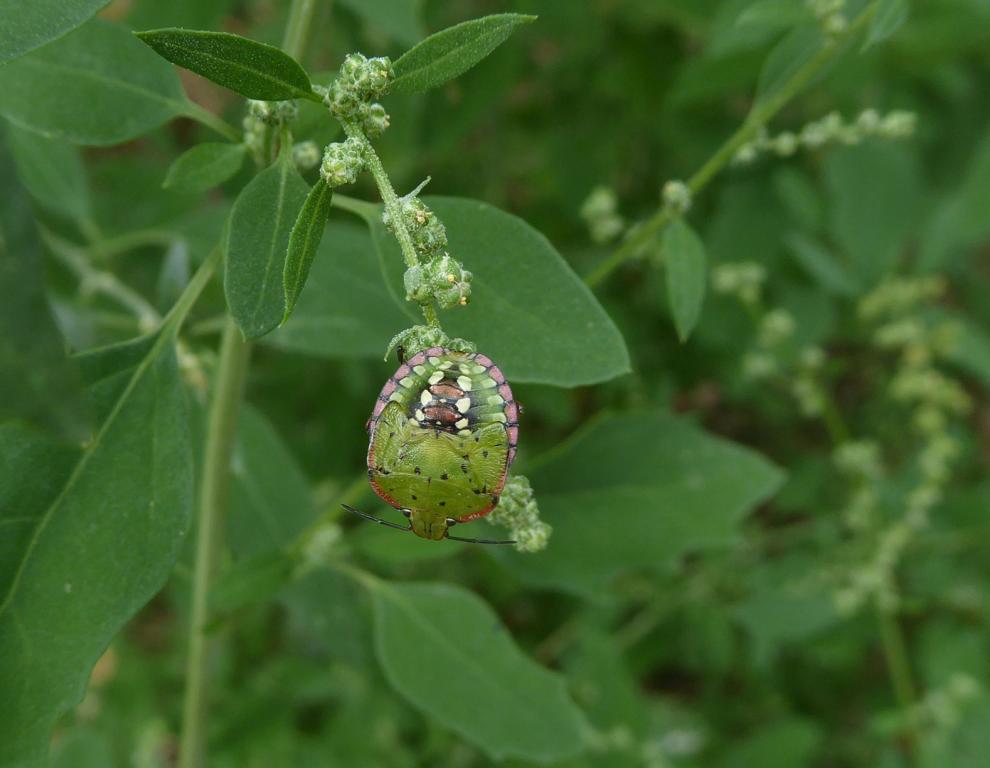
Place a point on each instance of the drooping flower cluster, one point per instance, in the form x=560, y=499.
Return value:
x=517, y=511
x=600, y=213
x=831, y=129
x=420, y=337
x=342, y=162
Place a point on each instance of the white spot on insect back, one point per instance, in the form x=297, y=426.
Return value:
x=488, y=383
x=420, y=415
x=463, y=404
x=419, y=370
x=425, y=397
x=498, y=417
x=446, y=365
x=464, y=383
x=461, y=423
x=464, y=432
x=495, y=400
x=406, y=381
x=436, y=378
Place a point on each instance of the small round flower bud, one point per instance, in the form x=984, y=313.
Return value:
x=375, y=120
x=676, y=196
x=306, y=155
x=273, y=112
x=517, y=510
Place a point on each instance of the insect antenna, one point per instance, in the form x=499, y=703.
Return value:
x=478, y=541
x=374, y=519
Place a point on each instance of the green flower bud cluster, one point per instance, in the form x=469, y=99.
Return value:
x=743, y=280
x=831, y=129
x=351, y=97
x=420, y=337
x=321, y=546
x=676, y=197
x=306, y=155
x=775, y=329
x=806, y=385
x=600, y=214
x=439, y=277
x=342, y=162
x=273, y=113
x=942, y=709
x=517, y=511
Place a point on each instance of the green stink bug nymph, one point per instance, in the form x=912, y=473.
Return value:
x=442, y=437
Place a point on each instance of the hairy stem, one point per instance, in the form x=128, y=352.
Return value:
x=214, y=489
x=394, y=209
x=757, y=118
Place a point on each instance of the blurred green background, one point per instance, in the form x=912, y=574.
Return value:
x=723, y=647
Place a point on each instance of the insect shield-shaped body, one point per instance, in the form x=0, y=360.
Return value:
x=443, y=435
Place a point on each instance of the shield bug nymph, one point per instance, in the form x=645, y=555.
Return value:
x=442, y=437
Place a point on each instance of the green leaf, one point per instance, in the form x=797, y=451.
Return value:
x=401, y=20
x=304, y=241
x=270, y=499
x=779, y=744
x=30, y=25
x=453, y=51
x=52, y=171
x=345, y=310
x=49, y=392
x=204, y=166
x=250, y=68
x=445, y=650
x=888, y=17
x=821, y=265
x=97, y=85
x=258, y=235
x=89, y=536
x=687, y=275
x=528, y=309
x=634, y=490
x=876, y=198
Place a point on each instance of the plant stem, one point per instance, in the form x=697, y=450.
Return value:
x=218, y=124
x=895, y=653
x=213, y=493
x=394, y=209
x=761, y=114
x=214, y=489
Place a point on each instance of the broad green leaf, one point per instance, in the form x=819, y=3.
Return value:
x=250, y=68
x=821, y=265
x=39, y=384
x=97, y=85
x=876, y=199
x=52, y=171
x=97, y=533
x=304, y=241
x=687, y=274
x=270, y=501
x=781, y=744
x=528, y=309
x=401, y=20
x=29, y=25
x=204, y=166
x=634, y=490
x=888, y=17
x=447, y=652
x=452, y=51
x=345, y=310
x=251, y=581
x=257, y=239
x=971, y=349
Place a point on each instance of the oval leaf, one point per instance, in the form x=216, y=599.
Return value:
x=445, y=650
x=257, y=238
x=888, y=17
x=638, y=490
x=453, y=51
x=250, y=68
x=97, y=85
x=52, y=171
x=27, y=26
x=77, y=522
x=204, y=167
x=684, y=262
x=304, y=240
x=528, y=309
